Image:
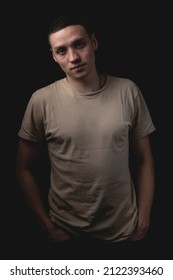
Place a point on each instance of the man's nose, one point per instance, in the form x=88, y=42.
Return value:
x=73, y=55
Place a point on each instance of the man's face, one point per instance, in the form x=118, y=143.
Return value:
x=74, y=50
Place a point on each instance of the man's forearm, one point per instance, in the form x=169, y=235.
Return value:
x=32, y=194
x=145, y=189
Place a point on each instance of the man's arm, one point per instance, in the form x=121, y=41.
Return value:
x=145, y=184
x=27, y=155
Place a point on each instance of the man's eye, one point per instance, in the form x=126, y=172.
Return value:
x=79, y=45
x=61, y=51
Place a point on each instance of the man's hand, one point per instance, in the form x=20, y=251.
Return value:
x=57, y=235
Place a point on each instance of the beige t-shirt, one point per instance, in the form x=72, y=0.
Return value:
x=88, y=143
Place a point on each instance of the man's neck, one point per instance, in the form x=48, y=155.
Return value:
x=95, y=83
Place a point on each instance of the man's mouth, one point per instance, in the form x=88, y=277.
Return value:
x=78, y=67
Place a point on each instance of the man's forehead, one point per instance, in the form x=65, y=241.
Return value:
x=68, y=34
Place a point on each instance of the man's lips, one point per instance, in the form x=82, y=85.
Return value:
x=77, y=67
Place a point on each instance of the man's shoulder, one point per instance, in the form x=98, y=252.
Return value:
x=47, y=91
x=124, y=85
x=121, y=81
x=48, y=88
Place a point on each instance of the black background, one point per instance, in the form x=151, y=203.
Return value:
x=135, y=42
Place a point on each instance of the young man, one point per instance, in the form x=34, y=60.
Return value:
x=89, y=121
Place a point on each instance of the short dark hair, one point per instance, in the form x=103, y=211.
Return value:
x=67, y=20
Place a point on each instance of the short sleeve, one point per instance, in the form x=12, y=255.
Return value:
x=142, y=122
x=32, y=127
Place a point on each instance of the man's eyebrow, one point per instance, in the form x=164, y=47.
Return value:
x=73, y=42
x=59, y=47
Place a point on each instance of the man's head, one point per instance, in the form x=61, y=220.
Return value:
x=68, y=20
x=73, y=45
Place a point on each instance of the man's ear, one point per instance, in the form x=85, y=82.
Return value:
x=95, y=41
